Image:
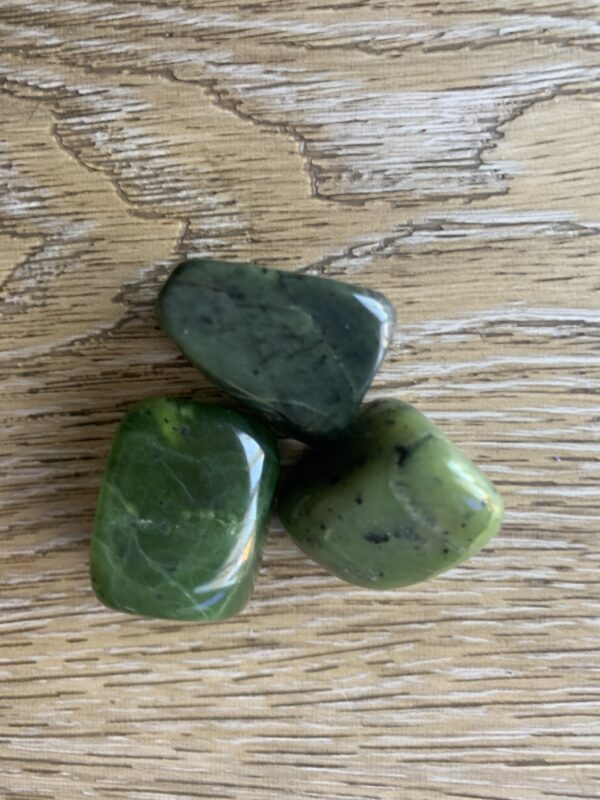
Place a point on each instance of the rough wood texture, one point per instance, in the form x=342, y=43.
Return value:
x=444, y=153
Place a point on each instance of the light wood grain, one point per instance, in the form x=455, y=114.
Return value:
x=447, y=154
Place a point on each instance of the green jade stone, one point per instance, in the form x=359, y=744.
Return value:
x=183, y=511
x=391, y=502
x=299, y=350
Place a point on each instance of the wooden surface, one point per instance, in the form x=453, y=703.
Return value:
x=447, y=154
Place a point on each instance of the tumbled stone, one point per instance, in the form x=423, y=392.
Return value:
x=299, y=350
x=391, y=502
x=183, y=511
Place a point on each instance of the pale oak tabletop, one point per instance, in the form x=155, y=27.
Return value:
x=447, y=154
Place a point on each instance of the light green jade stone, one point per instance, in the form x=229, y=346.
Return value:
x=390, y=502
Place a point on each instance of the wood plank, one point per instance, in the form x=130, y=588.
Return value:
x=446, y=154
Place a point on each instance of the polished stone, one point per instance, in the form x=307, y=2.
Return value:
x=299, y=350
x=391, y=502
x=183, y=511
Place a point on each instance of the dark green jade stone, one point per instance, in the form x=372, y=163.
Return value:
x=183, y=511
x=299, y=350
x=391, y=502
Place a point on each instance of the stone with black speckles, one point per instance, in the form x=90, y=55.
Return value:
x=297, y=349
x=424, y=506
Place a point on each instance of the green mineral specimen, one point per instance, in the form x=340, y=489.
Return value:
x=183, y=511
x=299, y=350
x=391, y=502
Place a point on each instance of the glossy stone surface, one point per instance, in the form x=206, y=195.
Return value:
x=391, y=502
x=299, y=350
x=183, y=511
